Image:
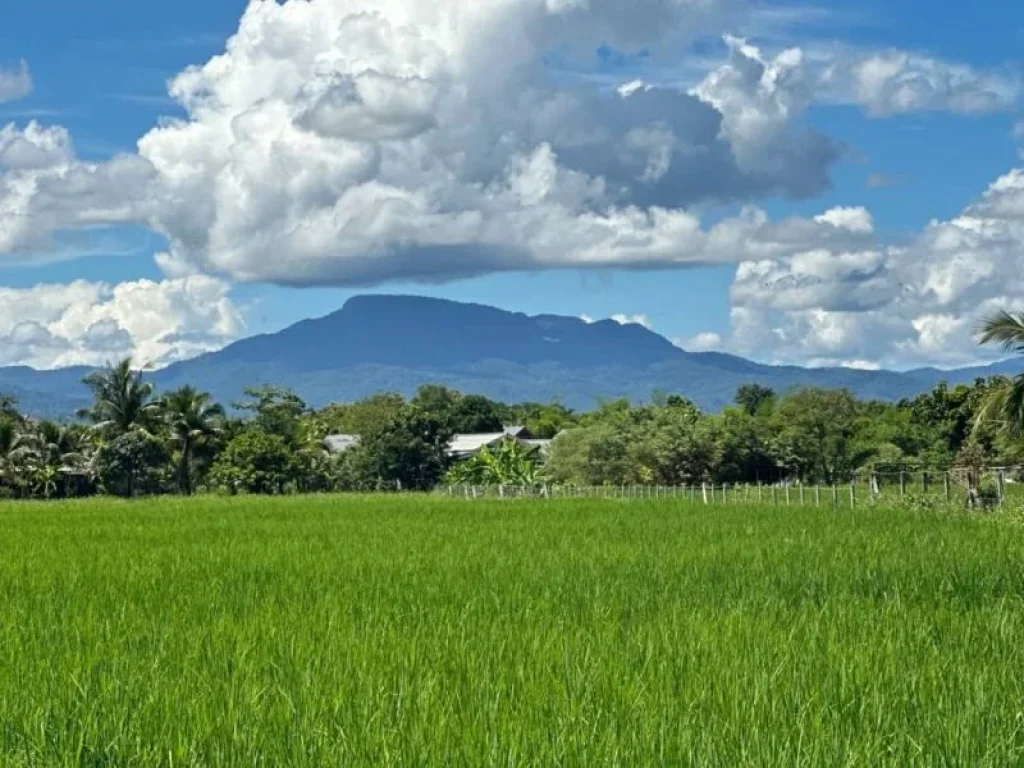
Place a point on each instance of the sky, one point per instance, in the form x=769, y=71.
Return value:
x=797, y=183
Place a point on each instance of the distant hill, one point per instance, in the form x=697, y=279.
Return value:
x=398, y=343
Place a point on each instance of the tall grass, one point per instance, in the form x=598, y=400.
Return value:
x=415, y=631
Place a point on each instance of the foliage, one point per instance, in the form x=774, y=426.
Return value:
x=122, y=401
x=814, y=435
x=456, y=412
x=754, y=399
x=193, y=420
x=254, y=462
x=276, y=411
x=510, y=463
x=408, y=453
x=1003, y=408
x=133, y=463
x=809, y=436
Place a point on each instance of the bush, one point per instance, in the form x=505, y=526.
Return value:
x=253, y=462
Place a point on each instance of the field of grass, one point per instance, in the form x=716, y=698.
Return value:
x=416, y=631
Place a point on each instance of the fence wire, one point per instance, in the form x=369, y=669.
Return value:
x=984, y=488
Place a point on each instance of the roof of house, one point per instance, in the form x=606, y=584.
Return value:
x=462, y=444
x=341, y=443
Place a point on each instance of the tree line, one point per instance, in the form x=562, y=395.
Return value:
x=133, y=441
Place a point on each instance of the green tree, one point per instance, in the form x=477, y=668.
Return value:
x=755, y=399
x=363, y=416
x=132, y=463
x=122, y=401
x=55, y=452
x=746, y=447
x=456, y=412
x=255, y=461
x=543, y=421
x=594, y=455
x=275, y=410
x=1004, y=404
x=679, y=447
x=193, y=419
x=408, y=453
x=13, y=451
x=814, y=435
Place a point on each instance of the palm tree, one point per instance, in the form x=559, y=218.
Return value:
x=15, y=451
x=122, y=401
x=55, y=451
x=1005, y=405
x=192, y=418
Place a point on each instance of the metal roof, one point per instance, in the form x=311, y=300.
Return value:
x=341, y=443
x=462, y=444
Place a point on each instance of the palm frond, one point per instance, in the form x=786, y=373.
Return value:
x=1003, y=328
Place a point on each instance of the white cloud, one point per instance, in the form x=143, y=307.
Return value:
x=44, y=188
x=643, y=320
x=86, y=323
x=702, y=342
x=361, y=141
x=852, y=219
x=897, y=82
x=351, y=142
x=919, y=303
x=15, y=83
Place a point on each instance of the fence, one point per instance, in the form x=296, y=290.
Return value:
x=990, y=487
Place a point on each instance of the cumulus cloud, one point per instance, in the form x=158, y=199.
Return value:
x=897, y=82
x=89, y=323
x=15, y=83
x=702, y=342
x=350, y=142
x=643, y=320
x=919, y=303
x=45, y=188
x=359, y=141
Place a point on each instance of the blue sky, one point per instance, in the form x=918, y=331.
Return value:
x=101, y=70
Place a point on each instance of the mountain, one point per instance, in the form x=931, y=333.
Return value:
x=398, y=343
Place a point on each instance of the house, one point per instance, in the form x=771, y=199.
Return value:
x=461, y=447
x=338, y=444
x=465, y=446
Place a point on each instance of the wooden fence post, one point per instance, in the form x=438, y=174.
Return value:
x=853, y=492
x=945, y=482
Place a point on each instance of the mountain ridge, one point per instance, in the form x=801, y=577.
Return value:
x=398, y=343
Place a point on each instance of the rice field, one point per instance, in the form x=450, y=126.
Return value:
x=425, y=631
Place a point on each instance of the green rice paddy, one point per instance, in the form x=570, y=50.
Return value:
x=422, y=631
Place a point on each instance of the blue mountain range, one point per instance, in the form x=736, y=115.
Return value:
x=398, y=343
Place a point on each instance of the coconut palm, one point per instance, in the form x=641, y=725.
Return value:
x=122, y=401
x=1005, y=405
x=192, y=418
x=54, y=452
x=14, y=452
